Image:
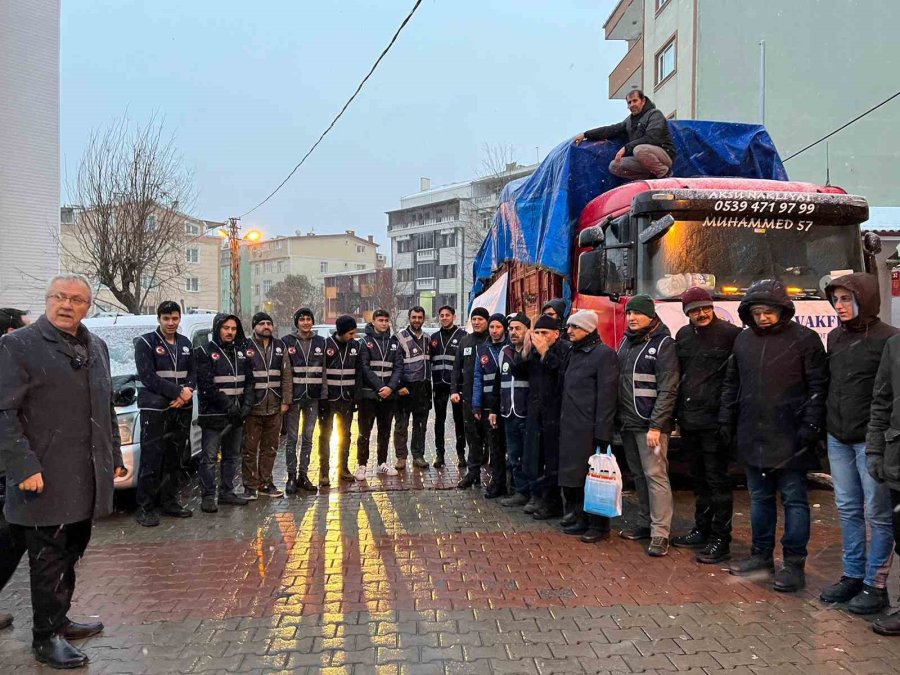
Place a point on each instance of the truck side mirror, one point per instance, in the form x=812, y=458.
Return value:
x=871, y=244
x=656, y=229
x=591, y=237
x=591, y=271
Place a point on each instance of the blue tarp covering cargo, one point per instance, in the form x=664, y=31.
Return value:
x=536, y=220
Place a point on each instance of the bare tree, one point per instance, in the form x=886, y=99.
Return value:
x=384, y=294
x=292, y=293
x=131, y=191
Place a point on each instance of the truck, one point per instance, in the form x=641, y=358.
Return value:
x=662, y=236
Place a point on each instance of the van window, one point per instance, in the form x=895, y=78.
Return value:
x=201, y=337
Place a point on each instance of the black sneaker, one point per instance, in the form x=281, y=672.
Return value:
x=146, y=517
x=716, y=551
x=439, y=461
x=494, y=490
x=517, y=499
x=176, y=511
x=250, y=494
x=791, y=576
x=635, y=533
x=468, y=481
x=270, y=491
x=548, y=511
x=533, y=505
x=843, y=591
x=579, y=527
x=304, y=483
x=659, y=546
x=869, y=600
x=694, y=539
x=569, y=518
x=592, y=536
x=888, y=625
x=757, y=562
x=232, y=499
x=208, y=505
x=290, y=487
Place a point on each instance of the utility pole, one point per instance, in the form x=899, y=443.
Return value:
x=234, y=246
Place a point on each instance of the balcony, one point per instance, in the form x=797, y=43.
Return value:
x=426, y=255
x=426, y=284
x=626, y=21
x=629, y=74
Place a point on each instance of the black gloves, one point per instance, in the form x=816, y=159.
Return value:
x=875, y=467
x=808, y=436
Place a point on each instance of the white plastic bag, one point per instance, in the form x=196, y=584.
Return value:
x=603, y=485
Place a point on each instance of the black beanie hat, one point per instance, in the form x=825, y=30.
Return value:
x=303, y=311
x=547, y=322
x=344, y=324
x=498, y=317
x=260, y=316
x=521, y=317
x=482, y=312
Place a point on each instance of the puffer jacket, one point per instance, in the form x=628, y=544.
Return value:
x=776, y=384
x=854, y=352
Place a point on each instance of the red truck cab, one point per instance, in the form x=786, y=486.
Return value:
x=660, y=237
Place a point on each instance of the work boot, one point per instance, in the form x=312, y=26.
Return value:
x=757, y=562
x=579, y=527
x=888, y=625
x=146, y=517
x=694, y=539
x=548, y=511
x=494, y=490
x=232, y=499
x=517, y=499
x=176, y=510
x=291, y=486
x=420, y=463
x=569, y=518
x=401, y=464
x=56, y=652
x=593, y=535
x=468, y=481
x=869, y=600
x=659, y=546
x=635, y=533
x=533, y=505
x=843, y=591
x=305, y=483
x=790, y=576
x=208, y=505
x=715, y=551
x=439, y=461
x=6, y=620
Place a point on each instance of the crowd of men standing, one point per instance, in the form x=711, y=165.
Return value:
x=530, y=402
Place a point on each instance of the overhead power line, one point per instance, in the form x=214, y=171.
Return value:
x=844, y=126
x=342, y=110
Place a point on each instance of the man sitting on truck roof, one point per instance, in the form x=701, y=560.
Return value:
x=648, y=151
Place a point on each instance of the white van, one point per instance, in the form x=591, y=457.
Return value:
x=119, y=333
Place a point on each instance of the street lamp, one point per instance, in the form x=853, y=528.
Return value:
x=232, y=232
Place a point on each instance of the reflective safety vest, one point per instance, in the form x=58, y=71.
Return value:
x=416, y=356
x=307, y=359
x=513, y=391
x=172, y=366
x=229, y=377
x=488, y=355
x=443, y=355
x=340, y=369
x=266, y=375
x=644, y=375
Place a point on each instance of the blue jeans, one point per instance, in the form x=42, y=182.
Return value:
x=211, y=442
x=791, y=483
x=515, y=448
x=861, y=501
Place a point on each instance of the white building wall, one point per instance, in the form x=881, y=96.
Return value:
x=29, y=150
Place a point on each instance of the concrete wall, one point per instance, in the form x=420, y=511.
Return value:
x=29, y=150
x=675, y=18
x=826, y=63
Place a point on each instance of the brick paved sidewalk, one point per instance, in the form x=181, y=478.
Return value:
x=400, y=579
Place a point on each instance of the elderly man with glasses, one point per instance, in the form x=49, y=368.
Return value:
x=59, y=441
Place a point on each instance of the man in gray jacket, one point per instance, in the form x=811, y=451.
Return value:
x=59, y=440
x=648, y=392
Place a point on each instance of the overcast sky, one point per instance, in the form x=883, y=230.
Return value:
x=247, y=87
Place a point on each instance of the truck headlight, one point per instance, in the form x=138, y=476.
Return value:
x=126, y=427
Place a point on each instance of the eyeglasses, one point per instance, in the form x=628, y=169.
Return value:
x=60, y=298
x=700, y=310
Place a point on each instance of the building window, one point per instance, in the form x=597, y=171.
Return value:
x=447, y=240
x=323, y=267
x=404, y=245
x=447, y=271
x=660, y=4
x=360, y=249
x=256, y=289
x=267, y=286
x=269, y=267
x=425, y=271
x=424, y=240
x=282, y=265
x=361, y=266
x=279, y=244
x=256, y=269
x=404, y=275
x=449, y=299
x=192, y=284
x=666, y=61
x=193, y=255
x=191, y=228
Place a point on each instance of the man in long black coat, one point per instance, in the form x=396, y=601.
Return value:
x=589, y=394
x=60, y=443
x=773, y=403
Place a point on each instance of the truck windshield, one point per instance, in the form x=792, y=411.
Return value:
x=725, y=257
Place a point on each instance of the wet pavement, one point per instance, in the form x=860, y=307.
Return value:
x=410, y=575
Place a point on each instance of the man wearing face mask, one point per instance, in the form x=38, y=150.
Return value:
x=863, y=502
x=274, y=388
x=773, y=406
x=648, y=391
x=483, y=396
x=703, y=348
x=461, y=386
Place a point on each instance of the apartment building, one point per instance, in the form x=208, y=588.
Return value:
x=29, y=150
x=358, y=293
x=435, y=235
x=803, y=68
x=195, y=287
x=311, y=255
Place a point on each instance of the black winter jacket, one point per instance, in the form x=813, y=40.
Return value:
x=703, y=358
x=377, y=349
x=463, y=377
x=653, y=351
x=649, y=127
x=776, y=384
x=883, y=437
x=218, y=407
x=854, y=352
